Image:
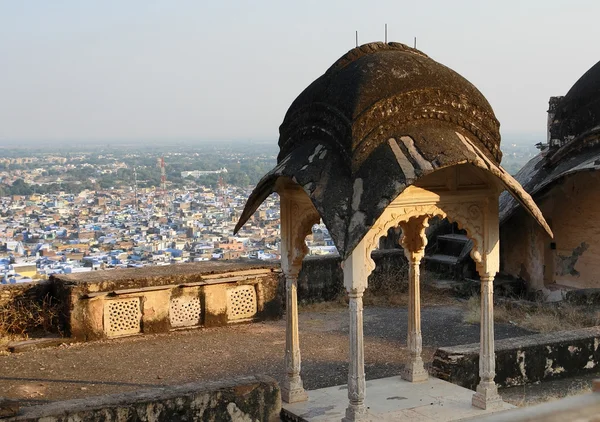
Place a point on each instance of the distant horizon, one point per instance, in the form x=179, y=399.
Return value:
x=512, y=137
x=114, y=71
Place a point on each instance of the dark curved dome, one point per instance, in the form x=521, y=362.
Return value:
x=579, y=111
x=379, y=119
x=367, y=95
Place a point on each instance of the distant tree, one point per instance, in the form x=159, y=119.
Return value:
x=19, y=187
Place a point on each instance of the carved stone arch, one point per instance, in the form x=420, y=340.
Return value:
x=300, y=216
x=392, y=217
x=307, y=217
x=470, y=218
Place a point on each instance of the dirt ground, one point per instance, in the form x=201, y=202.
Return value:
x=89, y=369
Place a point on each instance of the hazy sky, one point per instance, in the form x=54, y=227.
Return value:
x=131, y=70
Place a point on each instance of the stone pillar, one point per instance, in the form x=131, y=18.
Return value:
x=486, y=396
x=297, y=218
x=414, y=241
x=487, y=392
x=292, y=389
x=355, y=280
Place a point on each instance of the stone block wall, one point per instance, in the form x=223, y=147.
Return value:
x=34, y=291
x=524, y=360
x=321, y=278
x=255, y=398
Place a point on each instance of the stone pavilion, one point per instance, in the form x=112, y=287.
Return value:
x=388, y=137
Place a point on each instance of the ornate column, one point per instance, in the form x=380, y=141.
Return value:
x=356, y=270
x=297, y=219
x=292, y=389
x=486, y=395
x=414, y=241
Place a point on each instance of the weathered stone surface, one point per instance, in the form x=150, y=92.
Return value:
x=34, y=291
x=524, y=360
x=321, y=278
x=147, y=296
x=256, y=398
x=572, y=258
x=102, y=281
x=380, y=119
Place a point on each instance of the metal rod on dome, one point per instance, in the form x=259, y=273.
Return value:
x=357, y=38
x=386, y=33
x=415, y=42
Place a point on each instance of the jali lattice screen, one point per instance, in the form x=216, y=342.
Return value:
x=241, y=302
x=185, y=311
x=122, y=317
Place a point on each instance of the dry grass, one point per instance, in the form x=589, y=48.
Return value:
x=430, y=296
x=537, y=316
x=339, y=303
x=390, y=291
x=24, y=317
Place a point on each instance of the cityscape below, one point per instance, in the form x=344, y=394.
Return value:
x=107, y=207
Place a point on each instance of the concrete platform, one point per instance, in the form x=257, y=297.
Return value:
x=392, y=399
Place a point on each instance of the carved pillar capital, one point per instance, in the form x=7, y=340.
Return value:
x=413, y=238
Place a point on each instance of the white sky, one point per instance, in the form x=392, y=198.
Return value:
x=205, y=70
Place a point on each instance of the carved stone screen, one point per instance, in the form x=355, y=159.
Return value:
x=185, y=311
x=122, y=317
x=241, y=302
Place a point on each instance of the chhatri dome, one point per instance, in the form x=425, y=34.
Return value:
x=380, y=118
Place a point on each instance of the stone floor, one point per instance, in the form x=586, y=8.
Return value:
x=393, y=399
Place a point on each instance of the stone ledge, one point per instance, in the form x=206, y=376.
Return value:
x=524, y=360
x=246, y=398
x=129, y=278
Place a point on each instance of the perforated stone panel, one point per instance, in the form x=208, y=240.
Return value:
x=185, y=311
x=122, y=317
x=241, y=302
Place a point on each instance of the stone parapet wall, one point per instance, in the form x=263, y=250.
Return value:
x=118, y=303
x=255, y=398
x=112, y=303
x=524, y=360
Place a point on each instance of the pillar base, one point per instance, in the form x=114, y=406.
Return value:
x=487, y=397
x=355, y=413
x=293, y=396
x=292, y=391
x=415, y=371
